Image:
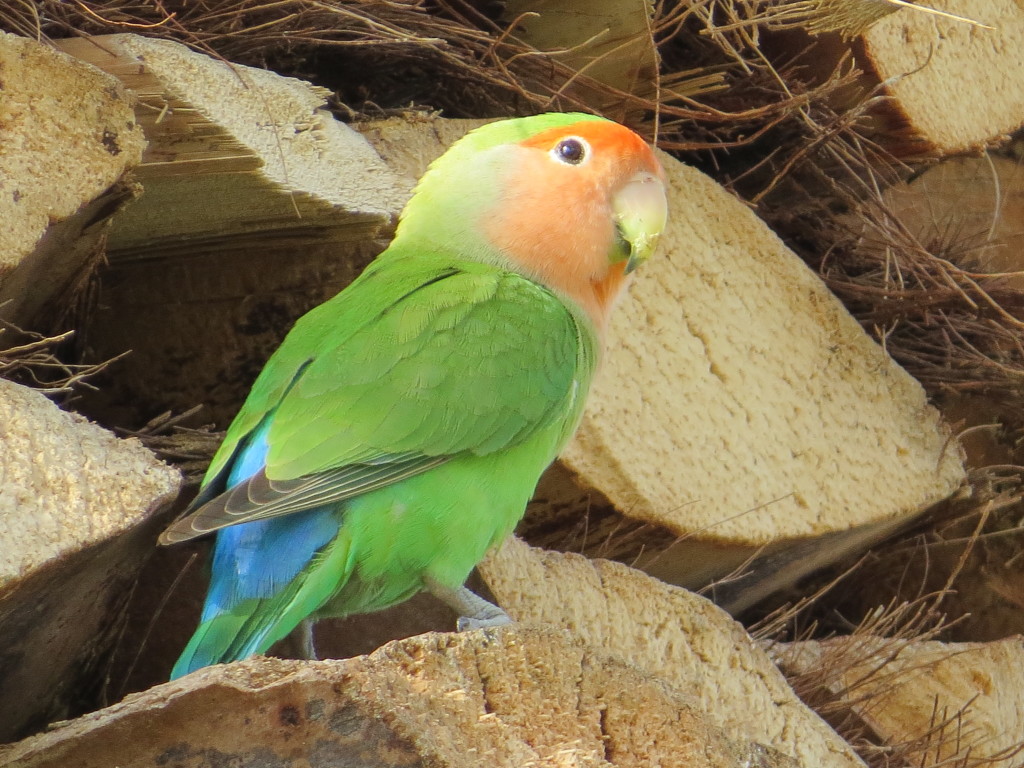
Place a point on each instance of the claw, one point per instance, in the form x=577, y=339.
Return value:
x=474, y=612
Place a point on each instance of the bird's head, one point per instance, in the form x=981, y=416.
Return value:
x=572, y=201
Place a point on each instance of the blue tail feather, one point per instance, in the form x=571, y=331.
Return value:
x=252, y=563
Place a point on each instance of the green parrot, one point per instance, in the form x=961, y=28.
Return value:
x=401, y=427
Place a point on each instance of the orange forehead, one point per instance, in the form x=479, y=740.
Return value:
x=604, y=137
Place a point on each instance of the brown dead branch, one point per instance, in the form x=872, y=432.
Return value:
x=451, y=56
x=190, y=449
x=31, y=359
x=849, y=18
x=873, y=648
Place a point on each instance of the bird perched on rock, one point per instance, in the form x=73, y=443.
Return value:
x=400, y=429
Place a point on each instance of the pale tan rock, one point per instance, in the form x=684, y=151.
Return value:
x=954, y=86
x=670, y=634
x=940, y=703
x=77, y=511
x=68, y=136
x=515, y=697
x=257, y=206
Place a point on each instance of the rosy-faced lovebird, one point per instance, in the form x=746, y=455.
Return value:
x=401, y=427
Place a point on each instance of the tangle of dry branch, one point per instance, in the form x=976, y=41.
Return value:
x=31, y=359
x=858, y=670
x=850, y=18
x=190, y=449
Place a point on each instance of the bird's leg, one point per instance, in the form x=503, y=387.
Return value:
x=474, y=612
x=308, y=648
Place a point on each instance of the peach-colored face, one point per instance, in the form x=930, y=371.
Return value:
x=556, y=217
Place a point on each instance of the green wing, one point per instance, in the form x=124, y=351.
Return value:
x=421, y=359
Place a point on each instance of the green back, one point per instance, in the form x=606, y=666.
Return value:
x=439, y=349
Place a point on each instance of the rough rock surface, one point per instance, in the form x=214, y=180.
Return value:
x=670, y=634
x=60, y=119
x=76, y=522
x=954, y=86
x=516, y=697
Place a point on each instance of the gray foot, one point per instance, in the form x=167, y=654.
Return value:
x=493, y=617
x=308, y=647
x=474, y=612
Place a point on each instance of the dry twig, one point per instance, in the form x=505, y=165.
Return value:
x=190, y=449
x=31, y=359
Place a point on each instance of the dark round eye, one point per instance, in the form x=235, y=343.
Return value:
x=571, y=151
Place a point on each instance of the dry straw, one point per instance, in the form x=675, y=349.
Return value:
x=849, y=18
x=34, y=360
x=858, y=666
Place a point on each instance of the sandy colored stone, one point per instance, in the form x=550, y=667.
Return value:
x=68, y=137
x=257, y=206
x=519, y=697
x=947, y=703
x=670, y=634
x=235, y=150
x=954, y=86
x=76, y=522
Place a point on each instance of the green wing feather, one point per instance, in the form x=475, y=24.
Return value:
x=423, y=358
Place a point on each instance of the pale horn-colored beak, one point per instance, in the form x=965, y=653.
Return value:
x=640, y=209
